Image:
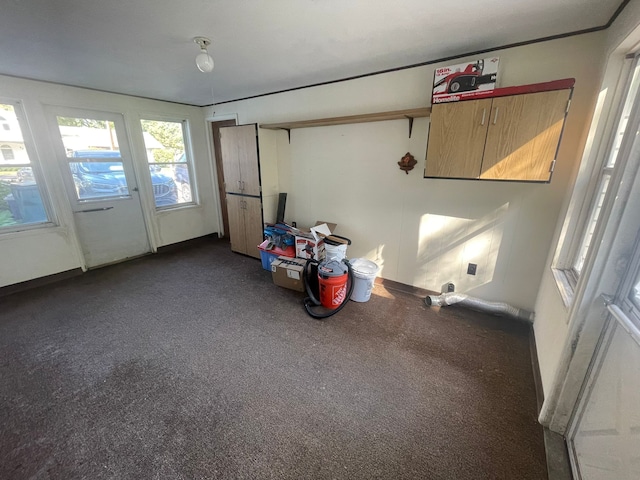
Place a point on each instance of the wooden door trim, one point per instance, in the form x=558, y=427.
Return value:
x=222, y=194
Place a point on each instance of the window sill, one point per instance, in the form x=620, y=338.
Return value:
x=565, y=285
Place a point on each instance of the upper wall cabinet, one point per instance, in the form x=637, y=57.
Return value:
x=511, y=137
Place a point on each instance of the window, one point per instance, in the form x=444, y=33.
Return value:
x=166, y=154
x=7, y=152
x=571, y=260
x=94, y=159
x=606, y=171
x=21, y=197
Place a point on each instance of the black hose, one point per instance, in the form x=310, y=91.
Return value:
x=311, y=301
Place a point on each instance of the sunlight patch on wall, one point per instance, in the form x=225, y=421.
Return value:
x=514, y=164
x=448, y=244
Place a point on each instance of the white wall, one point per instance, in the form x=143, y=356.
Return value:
x=551, y=326
x=424, y=231
x=45, y=251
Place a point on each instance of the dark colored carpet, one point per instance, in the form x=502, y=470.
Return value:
x=193, y=365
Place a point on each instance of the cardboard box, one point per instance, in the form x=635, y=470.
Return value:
x=288, y=272
x=465, y=81
x=310, y=242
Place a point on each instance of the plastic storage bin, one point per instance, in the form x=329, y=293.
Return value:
x=268, y=256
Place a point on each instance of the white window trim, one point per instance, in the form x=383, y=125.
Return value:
x=599, y=142
x=186, y=135
x=36, y=168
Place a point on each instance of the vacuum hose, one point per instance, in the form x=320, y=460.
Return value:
x=495, y=308
x=311, y=301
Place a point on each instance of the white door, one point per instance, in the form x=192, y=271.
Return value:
x=97, y=166
x=605, y=439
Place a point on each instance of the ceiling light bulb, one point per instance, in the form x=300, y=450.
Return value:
x=203, y=60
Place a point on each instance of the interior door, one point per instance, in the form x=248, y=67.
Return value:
x=97, y=167
x=523, y=136
x=222, y=194
x=457, y=134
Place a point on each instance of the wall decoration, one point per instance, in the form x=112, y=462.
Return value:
x=465, y=80
x=407, y=163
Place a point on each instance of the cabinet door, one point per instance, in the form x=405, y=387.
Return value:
x=456, y=138
x=523, y=136
x=247, y=138
x=235, y=209
x=229, y=146
x=240, y=159
x=254, y=229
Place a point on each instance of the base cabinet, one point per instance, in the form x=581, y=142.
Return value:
x=504, y=138
x=245, y=224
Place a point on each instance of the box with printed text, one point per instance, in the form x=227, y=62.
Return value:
x=288, y=272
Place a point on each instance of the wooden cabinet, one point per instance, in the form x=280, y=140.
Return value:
x=504, y=138
x=245, y=224
x=240, y=159
x=456, y=138
x=239, y=149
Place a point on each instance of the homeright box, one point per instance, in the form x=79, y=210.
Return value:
x=310, y=242
x=465, y=81
x=288, y=272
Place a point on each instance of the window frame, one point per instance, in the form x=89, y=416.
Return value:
x=186, y=139
x=586, y=194
x=36, y=169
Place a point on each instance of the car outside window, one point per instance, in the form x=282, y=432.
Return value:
x=166, y=154
x=22, y=202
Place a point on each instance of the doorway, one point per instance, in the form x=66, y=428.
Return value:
x=222, y=193
x=97, y=168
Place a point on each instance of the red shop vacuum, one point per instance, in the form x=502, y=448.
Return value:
x=329, y=283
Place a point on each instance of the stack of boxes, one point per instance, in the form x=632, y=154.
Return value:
x=287, y=269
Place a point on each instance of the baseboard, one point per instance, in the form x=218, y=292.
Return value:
x=39, y=282
x=56, y=277
x=535, y=367
x=187, y=243
x=403, y=287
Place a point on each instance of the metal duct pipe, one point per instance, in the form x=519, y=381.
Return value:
x=494, y=308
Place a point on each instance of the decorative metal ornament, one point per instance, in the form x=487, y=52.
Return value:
x=407, y=163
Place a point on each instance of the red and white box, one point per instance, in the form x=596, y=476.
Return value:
x=465, y=81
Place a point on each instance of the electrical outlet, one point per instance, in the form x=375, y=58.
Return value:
x=471, y=269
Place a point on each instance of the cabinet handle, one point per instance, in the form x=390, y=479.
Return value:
x=495, y=117
x=242, y=185
x=484, y=114
x=239, y=185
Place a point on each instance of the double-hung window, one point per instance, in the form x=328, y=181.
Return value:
x=22, y=199
x=570, y=263
x=606, y=171
x=168, y=157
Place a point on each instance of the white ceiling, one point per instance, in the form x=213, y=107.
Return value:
x=145, y=47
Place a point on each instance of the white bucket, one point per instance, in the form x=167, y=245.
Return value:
x=364, y=275
x=335, y=252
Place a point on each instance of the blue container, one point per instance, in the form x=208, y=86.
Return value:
x=267, y=259
x=268, y=255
